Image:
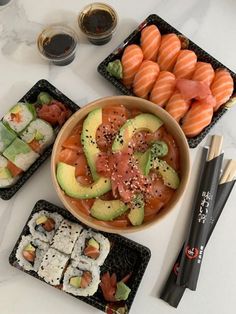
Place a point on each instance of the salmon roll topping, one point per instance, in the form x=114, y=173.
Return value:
x=168, y=52
x=185, y=64
x=145, y=78
x=163, y=88
x=204, y=72
x=131, y=61
x=177, y=106
x=150, y=42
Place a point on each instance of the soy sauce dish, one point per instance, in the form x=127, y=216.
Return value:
x=120, y=164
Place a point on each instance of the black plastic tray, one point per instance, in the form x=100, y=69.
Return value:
x=31, y=96
x=165, y=28
x=126, y=256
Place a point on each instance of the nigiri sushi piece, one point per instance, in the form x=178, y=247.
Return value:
x=145, y=78
x=185, y=64
x=177, y=106
x=203, y=72
x=197, y=118
x=222, y=87
x=163, y=88
x=168, y=51
x=150, y=42
x=131, y=61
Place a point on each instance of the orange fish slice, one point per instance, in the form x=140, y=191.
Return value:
x=131, y=61
x=203, y=72
x=145, y=78
x=197, y=118
x=163, y=88
x=177, y=106
x=185, y=64
x=168, y=51
x=150, y=42
x=222, y=87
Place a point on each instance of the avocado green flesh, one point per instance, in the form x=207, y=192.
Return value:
x=17, y=147
x=88, y=137
x=38, y=136
x=159, y=149
x=144, y=161
x=29, y=248
x=107, y=210
x=93, y=243
x=16, y=108
x=66, y=178
x=136, y=214
x=168, y=174
x=5, y=173
x=75, y=282
x=122, y=291
x=41, y=220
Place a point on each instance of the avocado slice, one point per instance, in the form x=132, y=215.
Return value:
x=107, y=210
x=5, y=173
x=75, y=282
x=168, y=174
x=122, y=291
x=159, y=149
x=144, y=161
x=93, y=243
x=29, y=248
x=41, y=220
x=38, y=136
x=88, y=137
x=68, y=183
x=144, y=121
x=136, y=214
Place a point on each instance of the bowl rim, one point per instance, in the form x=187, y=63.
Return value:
x=163, y=213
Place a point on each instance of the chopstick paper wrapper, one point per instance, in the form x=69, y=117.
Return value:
x=192, y=256
x=172, y=293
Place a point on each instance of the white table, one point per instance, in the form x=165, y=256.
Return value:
x=210, y=24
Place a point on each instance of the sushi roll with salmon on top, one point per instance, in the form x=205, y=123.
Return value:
x=177, y=106
x=203, y=72
x=7, y=178
x=150, y=42
x=6, y=137
x=185, y=64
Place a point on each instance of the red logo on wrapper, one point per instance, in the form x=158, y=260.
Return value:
x=176, y=269
x=191, y=253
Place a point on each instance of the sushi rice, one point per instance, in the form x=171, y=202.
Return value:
x=41, y=249
x=6, y=137
x=6, y=178
x=77, y=269
x=104, y=247
x=40, y=233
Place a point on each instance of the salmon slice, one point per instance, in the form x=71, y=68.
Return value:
x=91, y=252
x=197, y=118
x=168, y=51
x=86, y=279
x=185, y=64
x=131, y=61
x=177, y=106
x=203, y=72
x=222, y=87
x=145, y=78
x=163, y=88
x=150, y=42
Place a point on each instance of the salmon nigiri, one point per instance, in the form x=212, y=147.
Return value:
x=131, y=61
x=185, y=64
x=197, y=118
x=177, y=106
x=222, y=87
x=203, y=72
x=168, y=51
x=163, y=88
x=150, y=42
x=145, y=78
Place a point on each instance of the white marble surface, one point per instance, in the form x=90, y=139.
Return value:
x=209, y=23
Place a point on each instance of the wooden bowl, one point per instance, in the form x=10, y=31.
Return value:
x=130, y=102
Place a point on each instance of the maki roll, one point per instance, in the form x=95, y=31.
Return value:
x=6, y=176
x=81, y=279
x=66, y=236
x=19, y=116
x=6, y=137
x=53, y=266
x=91, y=247
x=20, y=154
x=38, y=135
x=30, y=253
x=43, y=225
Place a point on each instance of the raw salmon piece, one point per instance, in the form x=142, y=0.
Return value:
x=177, y=106
x=131, y=61
x=222, y=87
x=163, y=88
x=185, y=64
x=190, y=89
x=145, y=78
x=197, y=118
x=150, y=42
x=168, y=52
x=204, y=72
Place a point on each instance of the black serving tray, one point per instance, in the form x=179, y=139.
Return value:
x=165, y=28
x=31, y=96
x=126, y=256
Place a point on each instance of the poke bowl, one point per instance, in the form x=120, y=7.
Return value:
x=120, y=164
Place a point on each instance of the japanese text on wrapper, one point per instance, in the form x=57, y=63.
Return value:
x=203, y=210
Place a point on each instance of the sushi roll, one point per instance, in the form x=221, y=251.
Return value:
x=6, y=137
x=53, y=266
x=43, y=225
x=66, y=236
x=91, y=247
x=30, y=253
x=81, y=279
x=6, y=177
x=20, y=154
x=38, y=135
x=19, y=116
